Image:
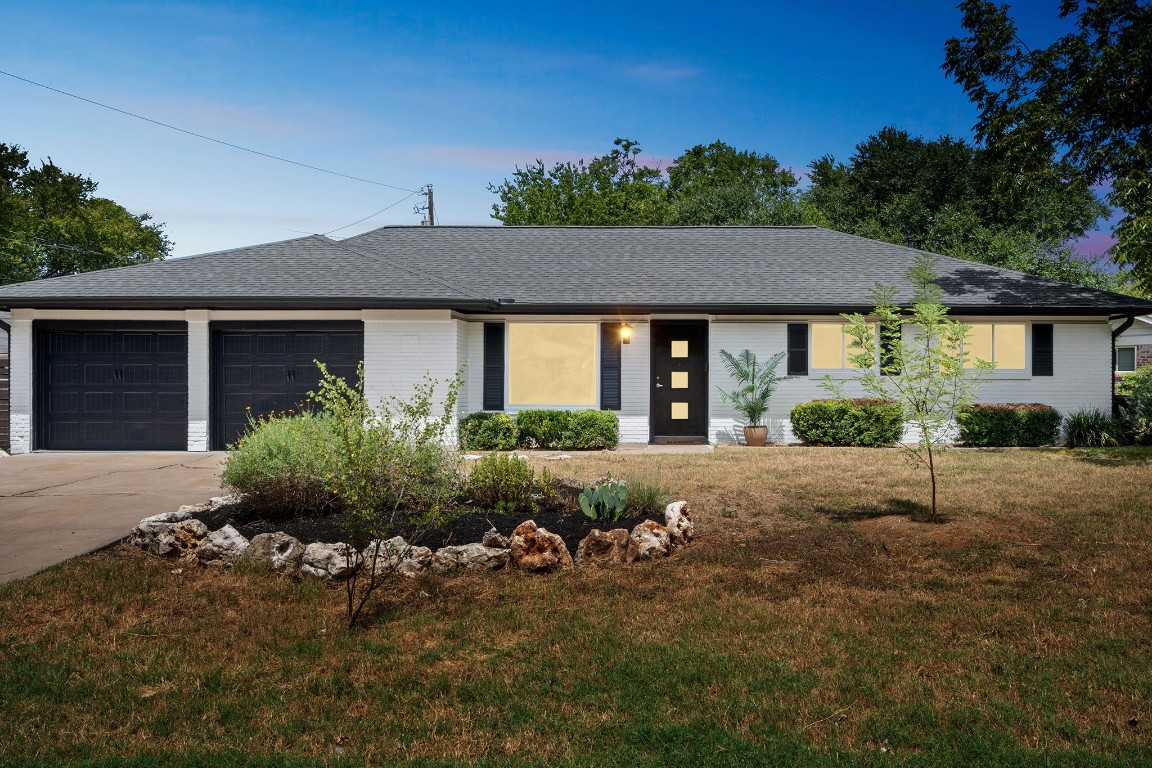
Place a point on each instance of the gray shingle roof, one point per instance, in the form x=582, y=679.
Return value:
x=717, y=269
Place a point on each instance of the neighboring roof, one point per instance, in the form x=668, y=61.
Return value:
x=564, y=269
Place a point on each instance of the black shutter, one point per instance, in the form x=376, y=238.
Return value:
x=1042, y=354
x=797, y=349
x=493, y=366
x=610, y=347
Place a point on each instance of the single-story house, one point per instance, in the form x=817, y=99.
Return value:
x=1133, y=343
x=171, y=355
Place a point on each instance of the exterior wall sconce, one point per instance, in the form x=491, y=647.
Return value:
x=625, y=333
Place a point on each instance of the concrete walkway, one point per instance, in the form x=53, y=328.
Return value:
x=54, y=506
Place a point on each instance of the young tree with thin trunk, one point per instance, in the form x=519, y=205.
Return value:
x=920, y=361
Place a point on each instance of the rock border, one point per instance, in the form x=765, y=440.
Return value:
x=179, y=535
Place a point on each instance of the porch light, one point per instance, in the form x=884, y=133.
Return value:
x=625, y=333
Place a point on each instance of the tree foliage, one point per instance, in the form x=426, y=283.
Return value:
x=1085, y=98
x=946, y=196
x=52, y=223
x=706, y=185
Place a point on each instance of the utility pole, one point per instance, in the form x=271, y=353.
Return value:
x=428, y=207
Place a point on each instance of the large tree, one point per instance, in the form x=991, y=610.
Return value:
x=946, y=196
x=1086, y=98
x=52, y=223
x=715, y=184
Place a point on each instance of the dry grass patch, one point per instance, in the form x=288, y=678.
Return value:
x=808, y=625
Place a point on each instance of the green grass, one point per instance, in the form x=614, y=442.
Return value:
x=806, y=627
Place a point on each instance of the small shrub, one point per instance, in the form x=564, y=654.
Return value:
x=1130, y=382
x=542, y=428
x=1136, y=416
x=586, y=430
x=606, y=501
x=547, y=494
x=1009, y=425
x=502, y=482
x=283, y=465
x=591, y=430
x=848, y=422
x=483, y=431
x=1092, y=428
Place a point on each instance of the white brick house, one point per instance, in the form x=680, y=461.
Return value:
x=172, y=354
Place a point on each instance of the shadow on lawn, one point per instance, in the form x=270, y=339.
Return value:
x=918, y=512
x=1114, y=457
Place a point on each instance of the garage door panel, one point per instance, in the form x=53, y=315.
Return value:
x=105, y=386
x=278, y=373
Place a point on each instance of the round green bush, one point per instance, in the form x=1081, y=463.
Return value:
x=848, y=422
x=489, y=432
x=1009, y=425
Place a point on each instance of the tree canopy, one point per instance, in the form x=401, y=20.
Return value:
x=1086, y=99
x=52, y=223
x=947, y=196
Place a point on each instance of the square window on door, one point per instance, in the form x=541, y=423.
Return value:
x=679, y=349
x=679, y=410
x=679, y=379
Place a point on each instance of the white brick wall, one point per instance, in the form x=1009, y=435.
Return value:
x=1081, y=375
x=20, y=361
x=198, y=379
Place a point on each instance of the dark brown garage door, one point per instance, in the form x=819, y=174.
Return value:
x=258, y=368
x=111, y=386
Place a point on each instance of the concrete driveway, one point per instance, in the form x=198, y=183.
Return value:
x=54, y=506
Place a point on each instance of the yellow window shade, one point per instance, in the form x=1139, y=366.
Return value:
x=552, y=363
x=827, y=345
x=1010, y=346
x=679, y=379
x=679, y=410
x=979, y=344
x=679, y=349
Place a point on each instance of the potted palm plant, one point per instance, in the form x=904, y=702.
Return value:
x=755, y=385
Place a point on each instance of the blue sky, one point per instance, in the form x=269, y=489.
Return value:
x=453, y=94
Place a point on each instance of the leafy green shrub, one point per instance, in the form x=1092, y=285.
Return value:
x=283, y=464
x=1092, y=428
x=848, y=422
x=483, y=431
x=502, y=482
x=1136, y=416
x=1009, y=424
x=542, y=428
x=591, y=430
x=1130, y=382
x=606, y=501
x=568, y=430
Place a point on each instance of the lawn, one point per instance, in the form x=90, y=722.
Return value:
x=816, y=621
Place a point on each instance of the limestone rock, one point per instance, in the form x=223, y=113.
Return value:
x=397, y=555
x=678, y=519
x=226, y=500
x=538, y=549
x=222, y=546
x=493, y=538
x=469, y=557
x=275, y=551
x=613, y=547
x=329, y=561
x=194, y=509
x=652, y=540
x=171, y=534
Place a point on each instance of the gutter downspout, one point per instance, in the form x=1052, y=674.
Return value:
x=1128, y=321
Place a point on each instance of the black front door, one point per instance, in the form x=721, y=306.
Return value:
x=266, y=367
x=679, y=381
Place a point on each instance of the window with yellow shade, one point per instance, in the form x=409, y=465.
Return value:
x=1001, y=343
x=832, y=348
x=553, y=364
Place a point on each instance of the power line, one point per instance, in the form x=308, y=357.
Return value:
x=206, y=138
x=38, y=243
x=392, y=205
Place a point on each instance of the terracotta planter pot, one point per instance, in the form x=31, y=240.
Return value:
x=755, y=436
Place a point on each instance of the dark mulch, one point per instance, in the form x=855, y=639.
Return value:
x=470, y=527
